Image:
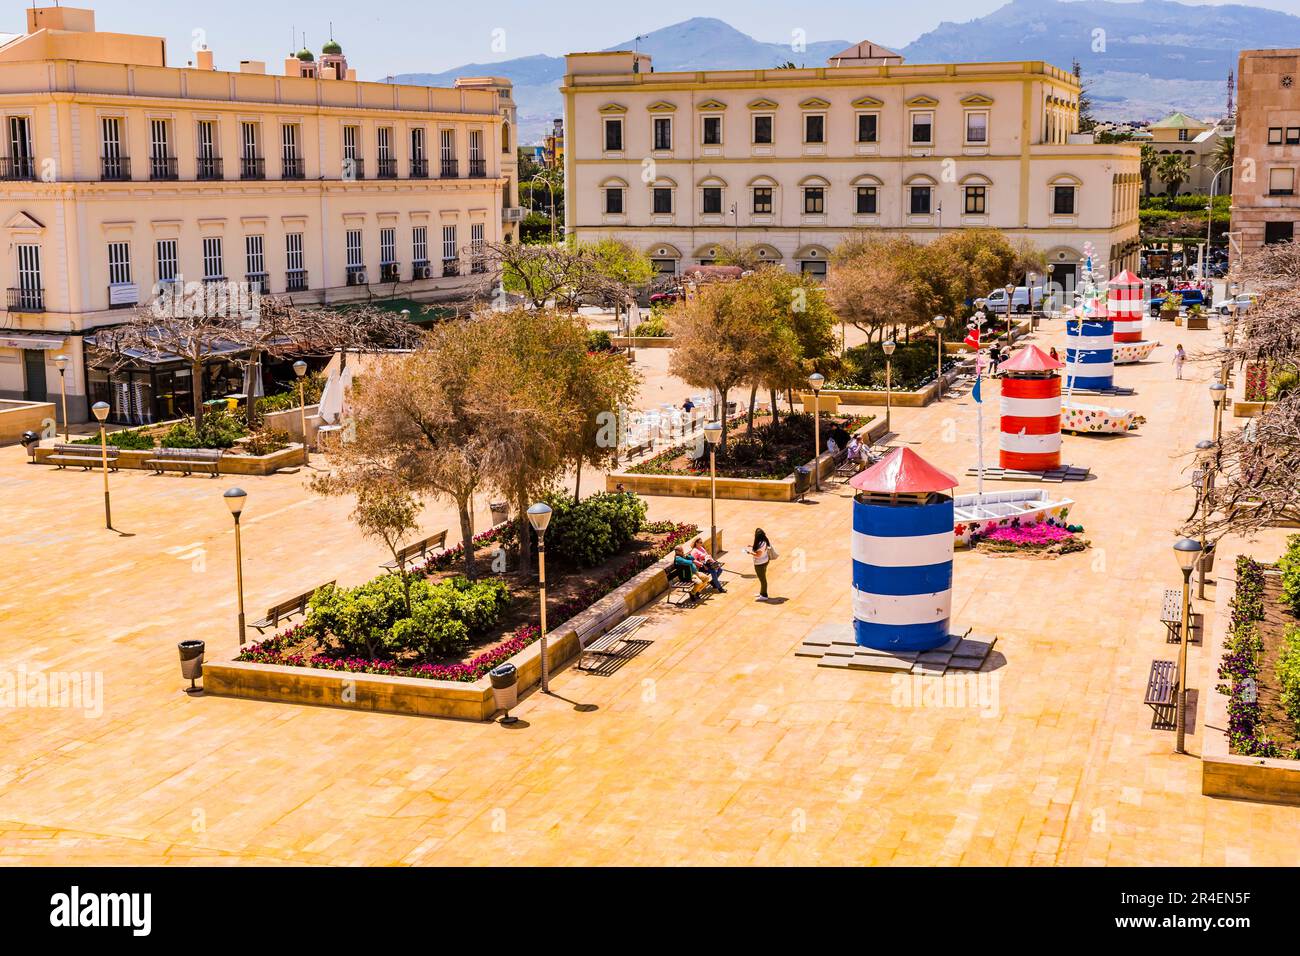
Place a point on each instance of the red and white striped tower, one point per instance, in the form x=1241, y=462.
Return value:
x=1125, y=306
x=1031, y=411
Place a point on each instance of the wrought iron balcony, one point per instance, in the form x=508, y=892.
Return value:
x=354, y=167
x=449, y=169
x=114, y=168
x=20, y=167
x=419, y=169
x=162, y=167
x=259, y=281
x=25, y=300
x=387, y=168
x=451, y=267
x=252, y=167
x=477, y=168
x=295, y=280
x=292, y=168
x=209, y=168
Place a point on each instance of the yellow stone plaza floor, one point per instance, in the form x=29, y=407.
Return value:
x=715, y=744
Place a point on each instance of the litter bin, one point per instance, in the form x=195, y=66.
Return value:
x=191, y=661
x=30, y=440
x=802, y=481
x=505, y=689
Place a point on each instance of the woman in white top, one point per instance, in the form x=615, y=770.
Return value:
x=761, y=552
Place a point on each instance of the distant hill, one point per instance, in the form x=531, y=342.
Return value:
x=1140, y=60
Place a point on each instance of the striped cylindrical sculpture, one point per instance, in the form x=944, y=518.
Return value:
x=1125, y=306
x=1090, y=351
x=1031, y=412
x=902, y=554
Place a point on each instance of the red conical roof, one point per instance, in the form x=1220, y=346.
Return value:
x=1030, y=359
x=1125, y=278
x=903, y=472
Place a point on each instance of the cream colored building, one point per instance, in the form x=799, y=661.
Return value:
x=119, y=172
x=794, y=160
x=1198, y=143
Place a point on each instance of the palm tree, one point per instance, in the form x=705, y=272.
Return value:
x=1173, y=172
x=1150, y=159
x=1226, y=152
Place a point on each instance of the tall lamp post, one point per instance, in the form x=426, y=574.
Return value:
x=61, y=363
x=300, y=370
x=712, y=435
x=101, y=412
x=1219, y=396
x=1011, y=292
x=938, y=322
x=1205, y=450
x=888, y=349
x=817, y=380
x=235, y=499
x=539, y=516
x=1029, y=292
x=1187, y=552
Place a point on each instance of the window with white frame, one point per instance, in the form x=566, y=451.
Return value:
x=663, y=132
x=1063, y=200
x=111, y=131
x=213, y=264
x=1281, y=181
x=919, y=199
x=166, y=266
x=977, y=127
x=419, y=243
x=20, y=145
x=29, y=274
x=922, y=127
x=868, y=127
x=248, y=140
x=387, y=245
x=447, y=144
x=384, y=142
x=814, y=128
x=477, y=243
x=762, y=205
x=159, y=139
x=351, y=142
x=353, y=245
x=975, y=200
x=119, y=263
x=762, y=132
x=866, y=199
x=711, y=133
x=662, y=200
x=293, y=251
x=417, y=144
x=613, y=200
x=254, y=256
x=449, y=249
x=711, y=200
x=613, y=134
x=814, y=200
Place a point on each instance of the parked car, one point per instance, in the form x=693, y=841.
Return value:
x=1244, y=301
x=1190, y=297
x=667, y=297
x=996, y=301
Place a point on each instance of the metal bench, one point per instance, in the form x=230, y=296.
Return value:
x=595, y=640
x=287, y=609
x=83, y=456
x=687, y=592
x=419, y=549
x=186, y=460
x=1162, y=695
x=1171, y=615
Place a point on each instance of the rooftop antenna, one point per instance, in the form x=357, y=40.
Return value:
x=1232, y=110
x=636, y=42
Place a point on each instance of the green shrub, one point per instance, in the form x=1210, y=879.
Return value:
x=594, y=529
x=599, y=341
x=266, y=441
x=132, y=439
x=312, y=385
x=1282, y=385
x=1288, y=674
x=1289, y=564
x=912, y=366
x=370, y=620
x=219, y=429
x=652, y=327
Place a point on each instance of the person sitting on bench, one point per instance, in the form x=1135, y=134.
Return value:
x=703, y=562
x=685, y=567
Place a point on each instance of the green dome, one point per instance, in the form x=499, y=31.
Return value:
x=306, y=56
x=332, y=48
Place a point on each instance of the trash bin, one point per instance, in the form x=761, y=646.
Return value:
x=30, y=440
x=1206, y=561
x=505, y=689
x=802, y=480
x=500, y=511
x=191, y=661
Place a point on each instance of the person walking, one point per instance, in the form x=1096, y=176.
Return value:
x=1180, y=357
x=762, y=552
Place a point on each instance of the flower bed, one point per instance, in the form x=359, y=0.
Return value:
x=1044, y=537
x=276, y=650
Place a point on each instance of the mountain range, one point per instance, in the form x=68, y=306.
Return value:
x=1140, y=61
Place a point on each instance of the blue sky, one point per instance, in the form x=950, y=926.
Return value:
x=404, y=36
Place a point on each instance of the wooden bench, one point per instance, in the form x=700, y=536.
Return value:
x=287, y=609
x=1162, y=695
x=186, y=460
x=596, y=640
x=83, y=456
x=419, y=549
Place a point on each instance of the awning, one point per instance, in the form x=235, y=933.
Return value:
x=220, y=348
x=31, y=341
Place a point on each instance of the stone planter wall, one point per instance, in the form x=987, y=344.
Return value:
x=430, y=698
x=17, y=417
x=290, y=420
x=256, y=465
x=641, y=341
x=899, y=399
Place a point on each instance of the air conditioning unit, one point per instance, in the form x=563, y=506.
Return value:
x=357, y=277
x=422, y=272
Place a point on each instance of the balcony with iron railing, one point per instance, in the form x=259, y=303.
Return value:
x=162, y=168
x=252, y=167
x=354, y=167
x=451, y=267
x=259, y=281
x=292, y=168
x=209, y=168
x=477, y=168
x=387, y=167
x=295, y=280
x=25, y=300
x=114, y=169
x=449, y=170
x=419, y=169
x=17, y=168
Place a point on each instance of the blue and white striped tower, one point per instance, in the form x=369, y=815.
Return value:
x=902, y=554
x=1090, y=351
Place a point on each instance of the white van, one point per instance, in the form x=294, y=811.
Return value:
x=996, y=301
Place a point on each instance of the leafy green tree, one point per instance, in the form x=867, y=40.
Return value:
x=1173, y=172
x=1147, y=165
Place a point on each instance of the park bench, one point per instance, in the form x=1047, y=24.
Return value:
x=594, y=639
x=287, y=609
x=1162, y=695
x=186, y=460
x=1171, y=615
x=419, y=549
x=83, y=456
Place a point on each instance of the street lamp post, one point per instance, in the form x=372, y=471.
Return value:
x=235, y=499
x=1011, y=291
x=539, y=516
x=1219, y=396
x=712, y=435
x=816, y=380
x=1188, y=552
x=1205, y=450
x=300, y=370
x=938, y=322
x=61, y=363
x=888, y=349
x=101, y=412
x=1209, y=219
